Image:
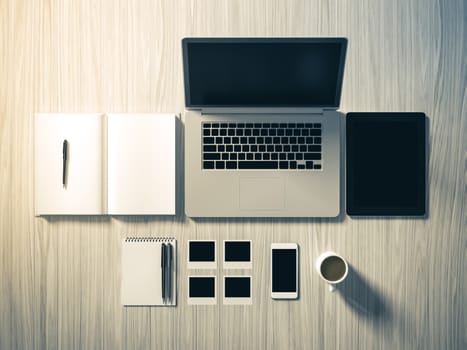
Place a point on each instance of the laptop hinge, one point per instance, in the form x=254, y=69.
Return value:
x=260, y=110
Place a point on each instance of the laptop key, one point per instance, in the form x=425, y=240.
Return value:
x=218, y=140
x=224, y=125
x=298, y=156
x=293, y=165
x=227, y=140
x=264, y=132
x=300, y=140
x=282, y=156
x=314, y=148
x=211, y=156
x=290, y=156
x=266, y=156
x=254, y=148
x=214, y=132
x=257, y=165
x=233, y=156
x=247, y=132
x=301, y=166
x=288, y=132
x=231, y=165
x=312, y=156
x=270, y=148
x=294, y=148
x=296, y=132
x=283, y=165
x=231, y=132
x=245, y=148
x=237, y=148
x=208, y=140
x=257, y=156
x=317, y=166
x=239, y=132
x=309, y=165
x=223, y=132
x=272, y=132
x=225, y=156
x=208, y=165
x=215, y=125
x=249, y=156
x=220, y=164
x=206, y=125
x=280, y=132
x=274, y=156
x=206, y=132
x=268, y=140
x=276, y=140
x=315, y=132
x=241, y=156
x=209, y=148
x=220, y=148
x=262, y=148
x=229, y=148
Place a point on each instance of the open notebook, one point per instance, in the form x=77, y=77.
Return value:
x=117, y=164
x=142, y=272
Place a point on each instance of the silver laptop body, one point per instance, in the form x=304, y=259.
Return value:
x=236, y=163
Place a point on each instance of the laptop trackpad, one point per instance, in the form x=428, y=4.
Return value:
x=262, y=193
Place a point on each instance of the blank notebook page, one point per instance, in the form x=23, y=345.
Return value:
x=141, y=164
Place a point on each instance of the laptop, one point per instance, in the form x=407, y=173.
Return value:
x=262, y=130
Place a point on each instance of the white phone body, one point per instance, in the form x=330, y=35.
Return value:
x=292, y=291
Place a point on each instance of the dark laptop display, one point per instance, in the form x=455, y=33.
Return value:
x=256, y=72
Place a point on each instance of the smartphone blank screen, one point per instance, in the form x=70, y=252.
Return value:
x=284, y=270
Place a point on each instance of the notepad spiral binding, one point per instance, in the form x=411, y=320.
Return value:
x=148, y=239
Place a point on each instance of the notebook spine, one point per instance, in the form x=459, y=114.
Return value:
x=148, y=239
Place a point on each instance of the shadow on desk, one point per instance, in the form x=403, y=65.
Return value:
x=365, y=300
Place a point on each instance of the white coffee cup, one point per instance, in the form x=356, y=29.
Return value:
x=332, y=268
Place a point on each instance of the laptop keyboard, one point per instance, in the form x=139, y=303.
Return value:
x=259, y=146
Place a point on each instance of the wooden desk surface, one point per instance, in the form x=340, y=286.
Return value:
x=60, y=278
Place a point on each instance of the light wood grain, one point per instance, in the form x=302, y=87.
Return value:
x=60, y=277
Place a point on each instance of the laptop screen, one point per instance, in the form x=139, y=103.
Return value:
x=263, y=72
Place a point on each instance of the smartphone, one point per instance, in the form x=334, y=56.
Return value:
x=284, y=270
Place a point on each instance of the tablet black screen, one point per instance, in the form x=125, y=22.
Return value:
x=386, y=164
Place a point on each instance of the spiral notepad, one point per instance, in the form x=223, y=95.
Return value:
x=143, y=275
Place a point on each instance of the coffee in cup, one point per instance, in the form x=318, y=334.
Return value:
x=332, y=268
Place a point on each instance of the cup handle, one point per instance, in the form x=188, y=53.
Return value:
x=332, y=288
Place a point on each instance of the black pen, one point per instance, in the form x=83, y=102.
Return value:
x=163, y=270
x=167, y=279
x=169, y=249
x=65, y=156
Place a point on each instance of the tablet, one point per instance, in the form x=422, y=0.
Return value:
x=386, y=164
